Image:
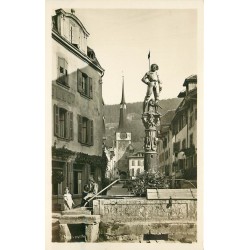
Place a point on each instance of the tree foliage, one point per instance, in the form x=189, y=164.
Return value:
x=146, y=181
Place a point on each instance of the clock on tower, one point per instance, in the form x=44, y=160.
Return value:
x=123, y=135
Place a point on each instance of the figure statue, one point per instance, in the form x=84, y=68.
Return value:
x=151, y=78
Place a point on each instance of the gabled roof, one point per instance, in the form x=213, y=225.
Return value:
x=136, y=154
x=167, y=117
x=92, y=56
x=71, y=15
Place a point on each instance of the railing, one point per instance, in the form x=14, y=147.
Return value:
x=93, y=197
x=186, y=181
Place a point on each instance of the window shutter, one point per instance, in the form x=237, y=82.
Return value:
x=67, y=125
x=66, y=72
x=90, y=88
x=66, y=28
x=75, y=35
x=56, y=120
x=91, y=132
x=79, y=128
x=60, y=68
x=71, y=131
x=87, y=86
x=79, y=81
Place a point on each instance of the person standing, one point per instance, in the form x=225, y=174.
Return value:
x=68, y=201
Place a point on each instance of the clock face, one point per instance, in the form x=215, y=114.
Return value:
x=123, y=135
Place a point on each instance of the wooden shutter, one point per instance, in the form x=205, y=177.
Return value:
x=91, y=132
x=79, y=81
x=56, y=120
x=61, y=68
x=90, y=88
x=75, y=35
x=71, y=131
x=79, y=128
x=66, y=28
x=69, y=125
x=87, y=86
x=66, y=72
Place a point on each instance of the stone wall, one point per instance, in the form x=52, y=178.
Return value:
x=130, y=220
x=141, y=209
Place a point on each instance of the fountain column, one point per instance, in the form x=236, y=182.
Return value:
x=151, y=119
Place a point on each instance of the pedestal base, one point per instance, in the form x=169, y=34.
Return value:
x=150, y=162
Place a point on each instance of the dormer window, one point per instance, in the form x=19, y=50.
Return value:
x=74, y=35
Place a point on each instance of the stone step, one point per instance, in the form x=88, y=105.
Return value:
x=82, y=210
x=79, y=219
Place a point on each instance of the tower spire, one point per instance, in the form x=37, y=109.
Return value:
x=123, y=97
x=123, y=116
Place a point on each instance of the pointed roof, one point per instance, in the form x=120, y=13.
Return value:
x=123, y=116
x=123, y=97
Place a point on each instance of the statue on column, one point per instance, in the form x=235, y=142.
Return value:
x=151, y=78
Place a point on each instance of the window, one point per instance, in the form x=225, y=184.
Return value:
x=77, y=182
x=184, y=144
x=84, y=84
x=133, y=172
x=166, y=155
x=190, y=121
x=74, y=34
x=165, y=143
x=133, y=163
x=57, y=178
x=62, y=72
x=63, y=123
x=177, y=146
x=138, y=171
x=181, y=164
x=85, y=130
x=57, y=188
x=191, y=140
x=195, y=112
x=184, y=120
x=191, y=107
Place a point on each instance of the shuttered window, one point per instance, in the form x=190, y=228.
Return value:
x=84, y=84
x=90, y=88
x=85, y=130
x=63, y=123
x=62, y=69
x=75, y=35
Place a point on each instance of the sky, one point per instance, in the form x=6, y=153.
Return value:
x=122, y=39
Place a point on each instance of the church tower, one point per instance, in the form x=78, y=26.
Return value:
x=122, y=138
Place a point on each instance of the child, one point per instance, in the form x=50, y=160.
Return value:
x=68, y=201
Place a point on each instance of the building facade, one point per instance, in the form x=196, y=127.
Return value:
x=165, y=145
x=184, y=130
x=77, y=106
x=136, y=164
